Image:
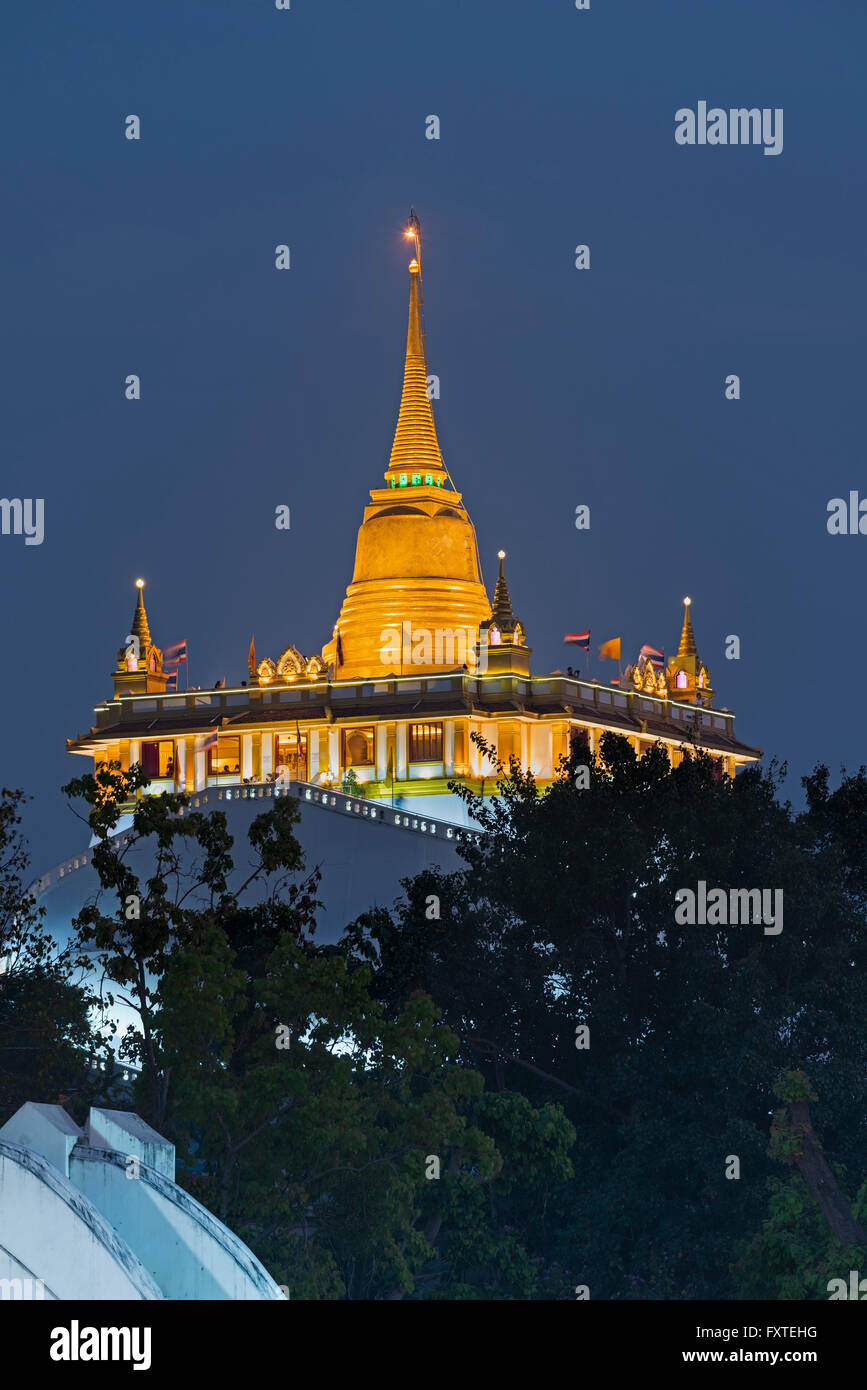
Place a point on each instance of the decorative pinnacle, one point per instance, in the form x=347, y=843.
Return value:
x=687, y=637
x=140, y=627
x=416, y=447
x=501, y=609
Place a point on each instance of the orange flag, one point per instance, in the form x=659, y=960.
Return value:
x=611, y=649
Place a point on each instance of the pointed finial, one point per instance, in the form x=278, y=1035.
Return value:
x=415, y=449
x=501, y=608
x=687, y=637
x=140, y=627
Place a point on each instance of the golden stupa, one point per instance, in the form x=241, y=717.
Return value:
x=416, y=558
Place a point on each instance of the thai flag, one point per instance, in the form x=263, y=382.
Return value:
x=175, y=653
x=615, y=680
x=206, y=741
x=578, y=639
x=172, y=682
x=652, y=651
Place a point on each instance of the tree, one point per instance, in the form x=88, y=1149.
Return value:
x=564, y=920
x=136, y=927
x=812, y=1234
x=306, y=1118
x=47, y=1042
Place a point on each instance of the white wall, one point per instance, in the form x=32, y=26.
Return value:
x=55, y=1232
x=189, y=1253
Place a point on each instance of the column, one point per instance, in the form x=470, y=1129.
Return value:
x=472, y=750
x=313, y=754
x=201, y=770
x=180, y=764
x=525, y=746
x=246, y=755
x=334, y=754
x=401, y=763
x=134, y=751
x=190, y=764
x=489, y=734
x=381, y=752
x=449, y=748
x=266, y=761
x=542, y=750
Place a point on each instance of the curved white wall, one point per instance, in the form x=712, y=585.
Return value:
x=188, y=1251
x=58, y=1236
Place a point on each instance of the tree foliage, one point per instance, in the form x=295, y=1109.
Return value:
x=47, y=1041
x=564, y=918
x=342, y=1141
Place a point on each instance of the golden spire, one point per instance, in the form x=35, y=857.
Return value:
x=140, y=627
x=415, y=448
x=687, y=637
x=139, y=671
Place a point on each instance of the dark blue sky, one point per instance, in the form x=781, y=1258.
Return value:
x=559, y=387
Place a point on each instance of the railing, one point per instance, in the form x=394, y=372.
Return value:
x=342, y=803
x=602, y=697
x=329, y=799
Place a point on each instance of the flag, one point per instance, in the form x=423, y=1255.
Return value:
x=615, y=680
x=339, y=651
x=251, y=659
x=172, y=682
x=206, y=741
x=657, y=665
x=610, y=650
x=652, y=651
x=579, y=639
x=175, y=653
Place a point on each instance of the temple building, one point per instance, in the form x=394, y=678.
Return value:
x=419, y=660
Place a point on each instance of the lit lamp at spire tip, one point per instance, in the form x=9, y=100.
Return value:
x=139, y=583
x=501, y=554
x=687, y=601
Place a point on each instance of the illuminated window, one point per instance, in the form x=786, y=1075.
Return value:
x=681, y=680
x=402, y=480
x=428, y=478
x=392, y=482
x=425, y=743
x=358, y=746
x=226, y=757
x=158, y=759
x=289, y=753
x=416, y=479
